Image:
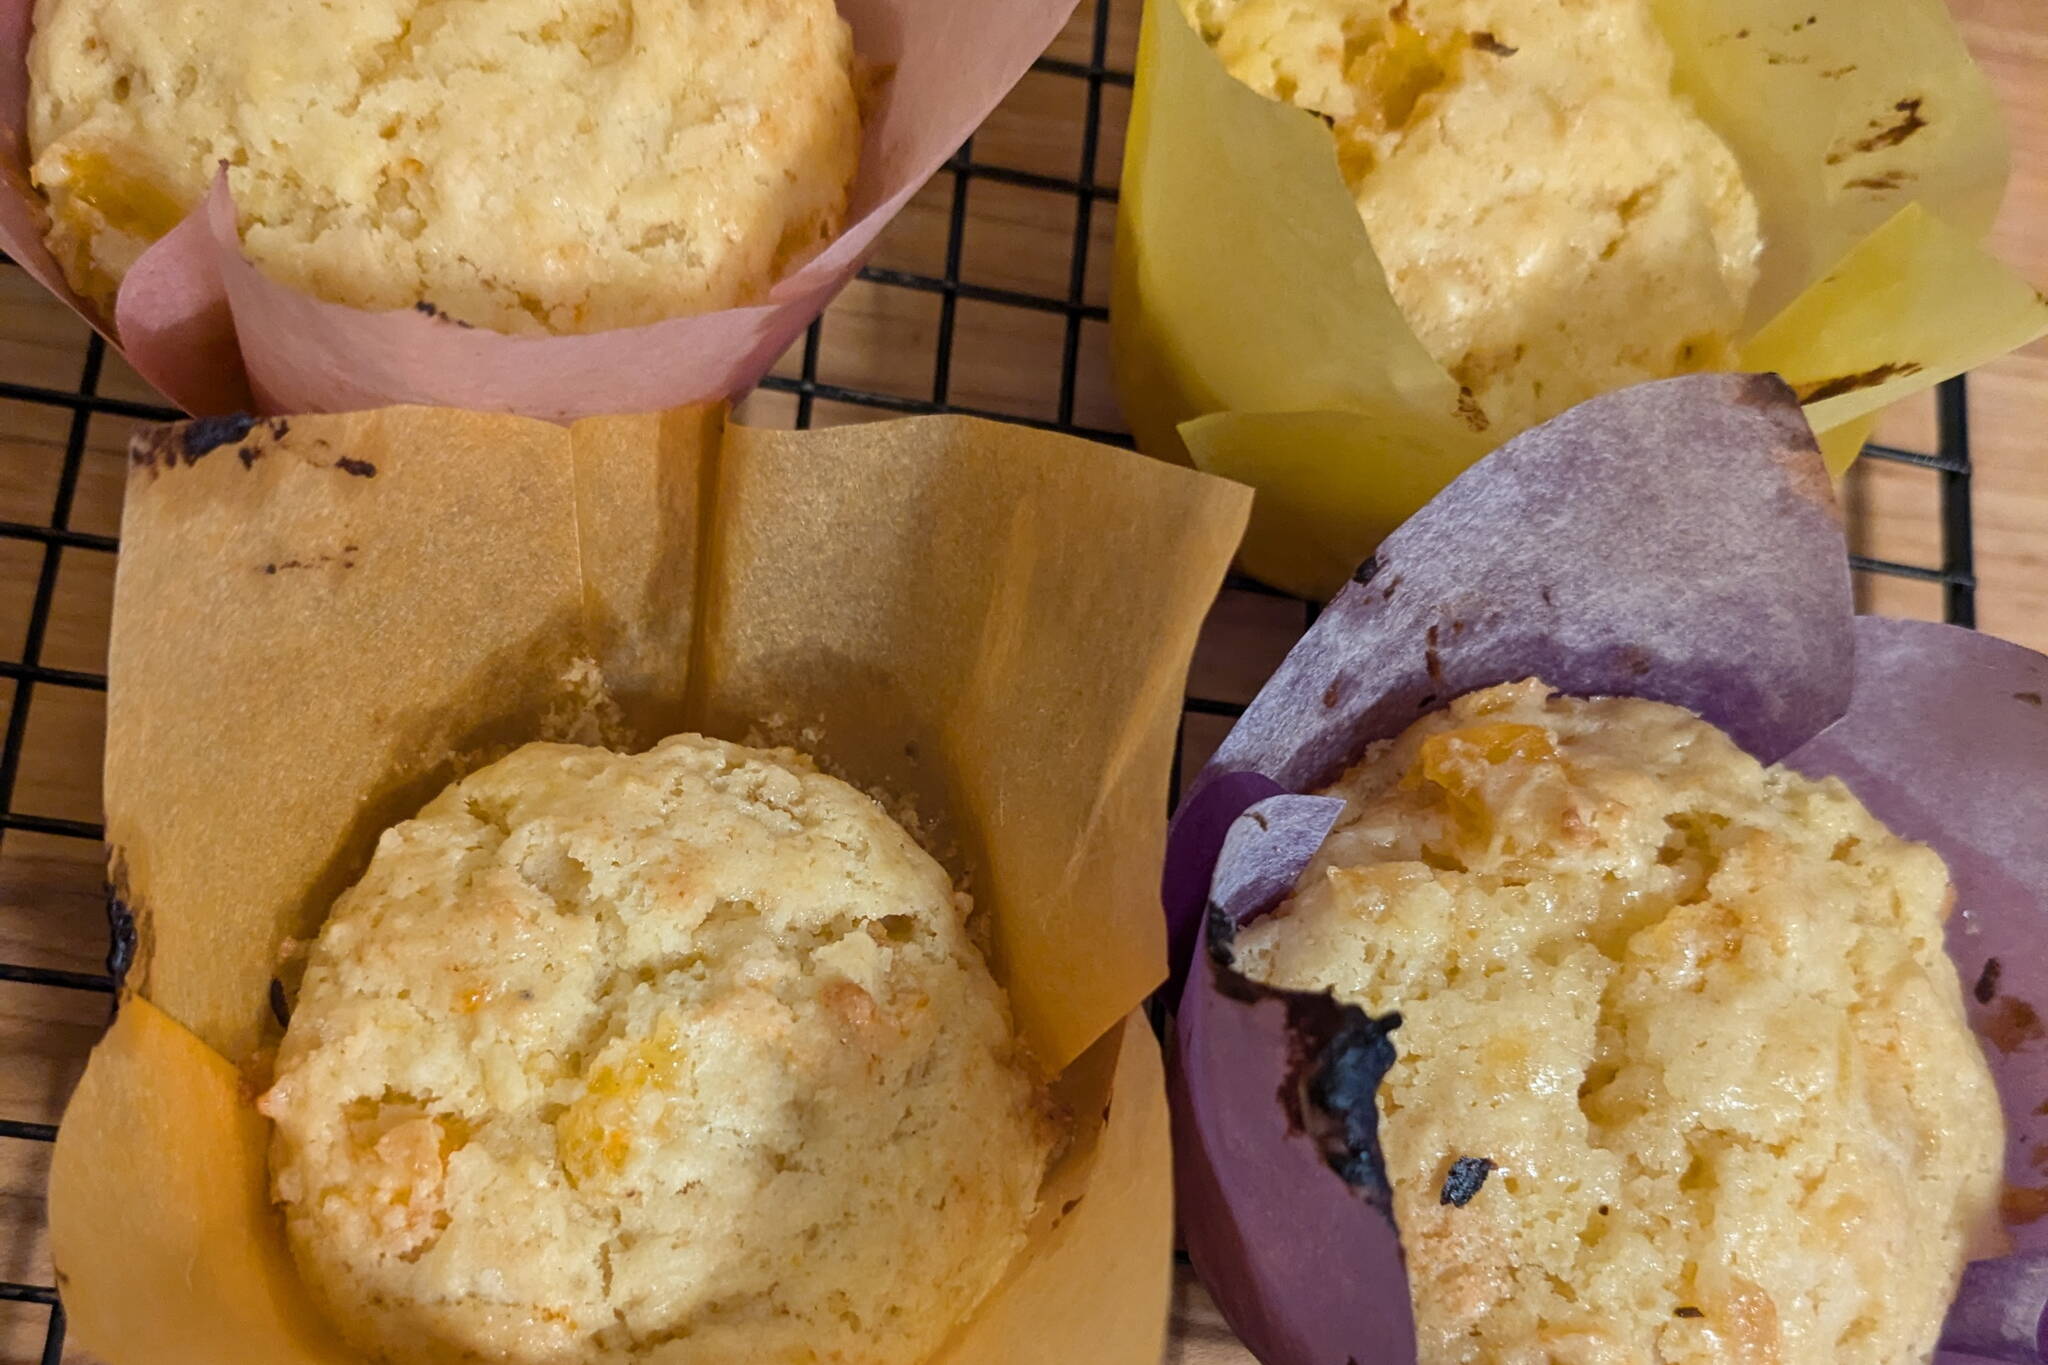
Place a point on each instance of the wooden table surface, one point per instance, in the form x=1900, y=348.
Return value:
x=1019, y=236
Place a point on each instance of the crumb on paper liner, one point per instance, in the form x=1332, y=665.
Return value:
x=1871, y=141
x=321, y=621
x=1734, y=606
x=214, y=334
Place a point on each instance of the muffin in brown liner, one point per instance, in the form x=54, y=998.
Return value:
x=320, y=621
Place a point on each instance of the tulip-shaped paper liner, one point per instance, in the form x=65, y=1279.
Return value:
x=319, y=622
x=1675, y=541
x=1868, y=137
x=216, y=335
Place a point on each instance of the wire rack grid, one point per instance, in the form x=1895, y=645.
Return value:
x=1071, y=108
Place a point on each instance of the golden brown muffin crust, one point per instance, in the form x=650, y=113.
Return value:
x=526, y=165
x=1696, y=1014
x=680, y=1057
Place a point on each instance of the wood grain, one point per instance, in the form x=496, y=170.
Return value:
x=1004, y=359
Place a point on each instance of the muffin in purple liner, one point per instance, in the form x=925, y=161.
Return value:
x=1675, y=542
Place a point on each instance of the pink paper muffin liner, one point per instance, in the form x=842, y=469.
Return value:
x=214, y=334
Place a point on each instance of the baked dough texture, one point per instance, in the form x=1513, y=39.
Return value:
x=533, y=166
x=1695, y=1011
x=681, y=1057
x=1554, y=221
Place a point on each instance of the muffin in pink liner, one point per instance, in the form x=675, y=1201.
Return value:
x=1716, y=582
x=203, y=325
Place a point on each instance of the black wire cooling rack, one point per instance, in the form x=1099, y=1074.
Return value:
x=1224, y=676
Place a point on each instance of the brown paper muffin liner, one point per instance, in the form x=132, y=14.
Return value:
x=319, y=622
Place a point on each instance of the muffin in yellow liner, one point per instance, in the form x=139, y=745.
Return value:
x=1872, y=160
x=320, y=621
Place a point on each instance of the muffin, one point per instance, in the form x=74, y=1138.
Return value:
x=531, y=166
x=1553, y=219
x=1682, y=1070
x=683, y=1056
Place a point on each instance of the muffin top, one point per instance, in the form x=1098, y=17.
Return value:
x=1683, y=1073
x=533, y=166
x=684, y=1056
x=1554, y=221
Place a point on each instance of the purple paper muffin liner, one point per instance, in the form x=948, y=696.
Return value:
x=1676, y=541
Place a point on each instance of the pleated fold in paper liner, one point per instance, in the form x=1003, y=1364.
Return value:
x=1712, y=578
x=216, y=335
x=1870, y=140
x=319, y=622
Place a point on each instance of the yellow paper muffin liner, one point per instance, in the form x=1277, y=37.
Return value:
x=1254, y=336
x=319, y=622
